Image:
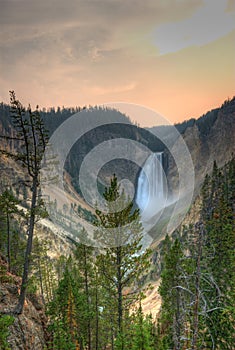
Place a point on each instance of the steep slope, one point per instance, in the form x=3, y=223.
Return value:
x=209, y=139
x=212, y=141
x=28, y=330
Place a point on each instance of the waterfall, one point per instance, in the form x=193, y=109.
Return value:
x=151, y=194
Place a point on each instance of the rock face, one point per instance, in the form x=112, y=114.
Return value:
x=208, y=141
x=28, y=331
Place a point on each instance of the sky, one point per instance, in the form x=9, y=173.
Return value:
x=176, y=57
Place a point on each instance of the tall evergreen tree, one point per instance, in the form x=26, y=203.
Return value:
x=220, y=247
x=172, y=284
x=42, y=270
x=123, y=262
x=198, y=277
x=84, y=256
x=8, y=207
x=67, y=310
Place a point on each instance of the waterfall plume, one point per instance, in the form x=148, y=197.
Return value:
x=151, y=188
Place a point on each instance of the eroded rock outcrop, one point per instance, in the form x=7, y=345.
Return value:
x=28, y=331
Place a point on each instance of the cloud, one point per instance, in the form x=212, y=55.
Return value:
x=76, y=52
x=207, y=24
x=100, y=90
x=96, y=36
x=30, y=18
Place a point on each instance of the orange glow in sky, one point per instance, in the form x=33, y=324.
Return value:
x=173, y=56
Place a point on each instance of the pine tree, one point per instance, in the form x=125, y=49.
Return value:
x=198, y=276
x=171, y=289
x=42, y=270
x=67, y=310
x=8, y=206
x=31, y=138
x=220, y=247
x=143, y=332
x=123, y=262
x=84, y=256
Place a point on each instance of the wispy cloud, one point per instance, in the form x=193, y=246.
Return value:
x=207, y=24
x=100, y=90
x=76, y=52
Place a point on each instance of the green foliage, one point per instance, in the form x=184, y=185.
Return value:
x=143, y=337
x=4, y=275
x=198, y=276
x=122, y=263
x=91, y=306
x=43, y=271
x=31, y=138
x=18, y=245
x=11, y=244
x=90, y=301
x=138, y=334
x=218, y=215
x=61, y=337
x=172, y=316
x=5, y=322
x=68, y=308
x=86, y=214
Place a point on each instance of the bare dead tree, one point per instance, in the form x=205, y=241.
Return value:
x=32, y=138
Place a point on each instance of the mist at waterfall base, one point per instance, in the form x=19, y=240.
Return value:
x=152, y=195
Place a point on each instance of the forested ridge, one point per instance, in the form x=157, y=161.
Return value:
x=93, y=298
x=198, y=275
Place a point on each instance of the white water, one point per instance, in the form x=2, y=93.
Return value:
x=151, y=188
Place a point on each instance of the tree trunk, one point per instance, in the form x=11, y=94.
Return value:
x=88, y=301
x=20, y=305
x=119, y=290
x=97, y=316
x=177, y=322
x=197, y=286
x=8, y=244
x=40, y=279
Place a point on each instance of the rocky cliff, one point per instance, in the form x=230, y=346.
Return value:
x=28, y=330
x=209, y=139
